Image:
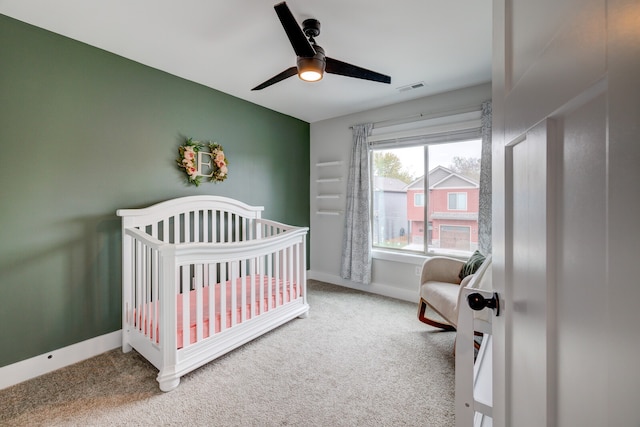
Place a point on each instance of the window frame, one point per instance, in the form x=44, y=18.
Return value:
x=435, y=130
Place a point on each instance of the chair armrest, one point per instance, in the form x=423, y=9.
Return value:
x=465, y=283
x=441, y=269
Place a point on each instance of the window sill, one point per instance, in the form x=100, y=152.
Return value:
x=410, y=258
x=406, y=258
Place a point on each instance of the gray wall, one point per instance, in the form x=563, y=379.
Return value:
x=332, y=140
x=84, y=132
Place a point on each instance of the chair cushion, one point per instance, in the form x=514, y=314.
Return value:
x=443, y=297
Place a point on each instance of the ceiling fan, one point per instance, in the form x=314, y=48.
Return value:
x=312, y=62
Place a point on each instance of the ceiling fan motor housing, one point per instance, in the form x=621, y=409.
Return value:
x=311, y=27
x=315, y=63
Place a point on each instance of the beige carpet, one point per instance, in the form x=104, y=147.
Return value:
x=358, y=360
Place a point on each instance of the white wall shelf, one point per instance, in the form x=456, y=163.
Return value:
x=325, y=164
x=328, y=190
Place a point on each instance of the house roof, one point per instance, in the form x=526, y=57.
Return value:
x=383, y=183
x=441, y=177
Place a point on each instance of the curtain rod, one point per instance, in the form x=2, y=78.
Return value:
x=430, y=115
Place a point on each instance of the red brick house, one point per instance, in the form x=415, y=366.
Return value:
x=452, y=215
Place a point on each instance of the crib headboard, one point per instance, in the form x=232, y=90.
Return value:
x=210, y=219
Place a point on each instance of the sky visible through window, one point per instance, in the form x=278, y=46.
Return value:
x=412, y=158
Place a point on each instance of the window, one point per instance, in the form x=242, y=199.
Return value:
x=457, y=202
x=425, y=196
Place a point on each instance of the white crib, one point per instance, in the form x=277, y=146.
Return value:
x=210, y=263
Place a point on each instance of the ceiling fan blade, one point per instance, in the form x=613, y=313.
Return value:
x=292, y=71
x=342, y=68
x=298, y=40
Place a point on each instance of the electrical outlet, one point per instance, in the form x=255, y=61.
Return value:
x=418, y=270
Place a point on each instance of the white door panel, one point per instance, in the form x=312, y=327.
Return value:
x=530, y=284
x=573, y=57
x=566, y=199
x=581, y=243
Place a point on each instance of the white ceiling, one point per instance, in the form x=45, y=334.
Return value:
x=234, y=45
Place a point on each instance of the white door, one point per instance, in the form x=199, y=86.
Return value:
x=566, y=122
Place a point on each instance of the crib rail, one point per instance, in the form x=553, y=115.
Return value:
x=181, y=294
x=206, y=219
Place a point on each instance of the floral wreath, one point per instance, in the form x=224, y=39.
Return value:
x=188, y=161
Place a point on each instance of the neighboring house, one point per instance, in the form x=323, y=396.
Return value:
x=390, y=211
x=452, y=215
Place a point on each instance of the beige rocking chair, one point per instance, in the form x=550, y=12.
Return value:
x=440, y=287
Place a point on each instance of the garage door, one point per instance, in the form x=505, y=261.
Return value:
x=455, y=237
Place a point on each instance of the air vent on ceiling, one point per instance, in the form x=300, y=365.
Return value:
x=412, y=86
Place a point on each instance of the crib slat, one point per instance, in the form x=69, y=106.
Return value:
x=236, y=234
x=260, y=279
x=270, y=285
x=234, y=293
x=186, y=315
x=243, y=289
x=146, y=290
x=128, y=284
x=214, y=225
x=165, y=230
x=195, y=226
x=290, y=275
x=154, y=297
x=276, y=263
x=212, y=299
x=223, y=295
x=285, y=274
x=223, y=227
x=136, y=285
x=176, y=229
x=298, y=281
x=190, y=224
x=205, y=226
x=199, y=302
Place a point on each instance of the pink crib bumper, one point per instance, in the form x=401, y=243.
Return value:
x=279, y=295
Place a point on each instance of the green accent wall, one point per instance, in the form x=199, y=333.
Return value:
x=84, y=132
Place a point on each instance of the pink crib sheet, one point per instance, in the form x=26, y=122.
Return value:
x=278, y=297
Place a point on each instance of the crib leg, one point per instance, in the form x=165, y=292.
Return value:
x=126, y=345
x=168, y=384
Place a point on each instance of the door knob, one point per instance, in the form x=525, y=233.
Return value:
x=477, y=302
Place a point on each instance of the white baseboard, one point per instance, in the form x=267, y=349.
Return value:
x=374, y=288
x=39, y=365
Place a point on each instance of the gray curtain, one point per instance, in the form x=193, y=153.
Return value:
x=356, y=245
x=484, y=215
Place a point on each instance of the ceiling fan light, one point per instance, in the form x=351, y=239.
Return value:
x=310, y=75
x=311, y=69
